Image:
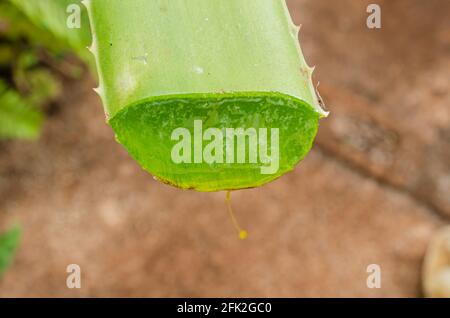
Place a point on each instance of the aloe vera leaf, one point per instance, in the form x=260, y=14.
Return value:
x=163, y=64
x=17, y=118
x=9, y=242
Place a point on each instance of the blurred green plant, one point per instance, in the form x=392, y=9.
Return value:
x=50, y=18
x=17, y=118
x=9, y=241
x=35, y=50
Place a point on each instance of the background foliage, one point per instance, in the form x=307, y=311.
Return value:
x=36, y=49
x=36, y=55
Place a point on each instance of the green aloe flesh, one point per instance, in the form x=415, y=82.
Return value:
x=165, y=65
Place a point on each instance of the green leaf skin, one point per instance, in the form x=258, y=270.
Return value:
x=232, y=64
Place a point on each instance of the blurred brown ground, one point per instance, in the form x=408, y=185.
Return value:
x=374, y=189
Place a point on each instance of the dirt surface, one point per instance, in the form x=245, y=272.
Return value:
x=373, y=190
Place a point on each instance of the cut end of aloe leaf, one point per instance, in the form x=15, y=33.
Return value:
x=183, y=141
x=205, y=95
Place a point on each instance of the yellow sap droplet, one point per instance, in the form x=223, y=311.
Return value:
x=242, y=233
